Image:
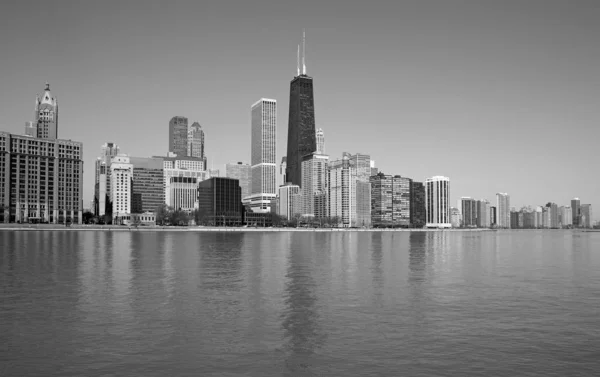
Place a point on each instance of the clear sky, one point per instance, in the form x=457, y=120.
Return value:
x=500, y=96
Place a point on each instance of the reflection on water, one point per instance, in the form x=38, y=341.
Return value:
x=300, y=319
x=311, y=303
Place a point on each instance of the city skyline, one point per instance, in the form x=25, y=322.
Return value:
x=540, y=96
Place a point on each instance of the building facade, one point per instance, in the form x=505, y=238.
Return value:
x=264, y=154
x=220, y=201
x=320, y=141
x=314, y=185
x=178, y=136
x=287, y=200
x=390, y=201
x=503, y=210
x=468, y=209
x=341, y=184
x=576, y=211
x=121, y=180
x=301, y=126
x=46, y=116
x=187, y=167
x=148, y=192
x=418, y=216
x=586, y=216
x=41, y=179
x=196, y=142
x=243, y=173
x=437, y=202
x=102, y=196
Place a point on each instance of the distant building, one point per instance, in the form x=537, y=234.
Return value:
x=437, y=202
x=314, y=185
x=503, y=219
x=320, y=141
x=213, y=173
x=301, y=139
x=390, y=201
x=102, y=195
x=586, y=216
x=282, y=168
x=576, y=211
x=418, y=214
x=41, y=179
x=455, y=217
x=181, y=174
x=121, y=177
x=243, y=173
x=374, y=170
x=341, y=182
x=468, y=208
x=178, y=136
x=148, y=191
x=195, y=142
x=220, y=201
x=31, y=129
x=566, y=216
x=287, y=193
x=46, y=115
x=264, y=154
x=483, y=210
x=514, y=220
x=493, y=216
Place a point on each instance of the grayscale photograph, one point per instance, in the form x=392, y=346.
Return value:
x=309, y=188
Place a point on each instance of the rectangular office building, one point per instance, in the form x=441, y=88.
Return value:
x=40, y=179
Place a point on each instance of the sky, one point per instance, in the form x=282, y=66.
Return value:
x=500, y=96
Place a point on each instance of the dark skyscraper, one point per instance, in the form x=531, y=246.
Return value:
x=178, y=136
x=576, y=211
x=301, y=125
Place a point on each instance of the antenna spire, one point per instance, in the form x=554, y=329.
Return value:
x=298, y=62
x=303, y=51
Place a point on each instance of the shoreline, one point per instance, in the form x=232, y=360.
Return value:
x=118, y=228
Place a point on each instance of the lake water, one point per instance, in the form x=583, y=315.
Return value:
x=92, y=303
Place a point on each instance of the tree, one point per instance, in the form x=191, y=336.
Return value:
x=88, y=217
x=163, y=215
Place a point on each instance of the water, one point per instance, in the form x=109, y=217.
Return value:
x=299, y=304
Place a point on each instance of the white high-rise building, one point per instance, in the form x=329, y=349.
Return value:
x=314, y=185
x=320, y=141
x=264, y=152
x=181, y=177
x=341, y=183
x=437, y=202
x=121, y=177
x=503, y=210
x=287, y=200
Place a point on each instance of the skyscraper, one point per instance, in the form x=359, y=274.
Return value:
x=195, y=140
x=102, y=186
x=46, y=115
x=468, y=208
x=264, y=151
x=243, y=173
x=301, y=123
x=178, y=136
x=503, y=210
x=417, y=205
x=148, y=184
x=341, y=183
x=493, y=215
x=121, y=177
x=390, y=200
x=287, y=195
x=40, y=179
x=437, y=202
x=314, y=185
x=320, y=141
x=576, y=211
x=586, y=216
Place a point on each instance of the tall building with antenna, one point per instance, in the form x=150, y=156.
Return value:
x=301, y=122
